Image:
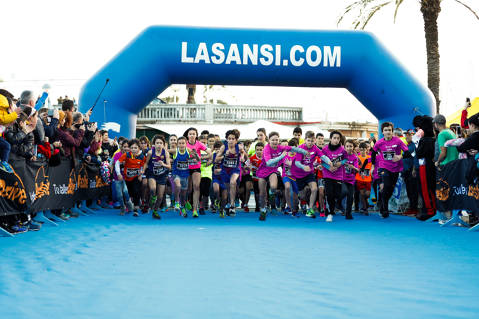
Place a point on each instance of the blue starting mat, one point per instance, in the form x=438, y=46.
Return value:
x=111, y=266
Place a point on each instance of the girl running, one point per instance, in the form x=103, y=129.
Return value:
x=333, y=172
x=218, y=186
x=351, y=167
x=156, y=168
x=195, y=147
x=145, y=147
x=181, y=173
x=290, y=187
x=267, y=172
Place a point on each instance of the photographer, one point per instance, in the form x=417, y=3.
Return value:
x=20, y=135
x=50, y=122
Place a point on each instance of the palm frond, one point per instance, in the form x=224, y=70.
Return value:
x=468, y=8
x=398, y=3
x=348, y=9
x=373, y=11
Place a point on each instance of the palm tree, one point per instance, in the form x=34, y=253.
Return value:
x=430, y=10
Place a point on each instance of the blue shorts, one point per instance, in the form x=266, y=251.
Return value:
x=218, y=180
x=160, y=179
x=292, y=182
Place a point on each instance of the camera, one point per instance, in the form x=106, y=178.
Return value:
x=468, y=101
x=50, y=112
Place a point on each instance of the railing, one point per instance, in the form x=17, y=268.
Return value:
x=217, y=113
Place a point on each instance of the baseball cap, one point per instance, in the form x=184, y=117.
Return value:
x=439, y=119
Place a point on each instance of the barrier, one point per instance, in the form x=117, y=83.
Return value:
x=35, y=186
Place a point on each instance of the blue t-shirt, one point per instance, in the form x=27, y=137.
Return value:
x=180, y=164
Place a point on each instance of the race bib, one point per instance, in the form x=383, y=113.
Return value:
x=192, y=161
x=364, y=172
x=182, y=166
x=230, y=162
x=132, y=172
x=389, y=155
x=348, y=170
x=158, y=169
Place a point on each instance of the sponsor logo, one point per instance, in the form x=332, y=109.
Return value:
x=261, y=54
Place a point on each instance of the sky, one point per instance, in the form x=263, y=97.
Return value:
x=65, y=42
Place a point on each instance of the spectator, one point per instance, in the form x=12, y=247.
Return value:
x=20, y=135
x=50, y=123
x=27, y=100
x=446, y=154
x=471, y=144
x=70, y=136
x=107, y=145
x=6, y=118
x=410, y=175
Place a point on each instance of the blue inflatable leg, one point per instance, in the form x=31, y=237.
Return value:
x=5, y=233
x=439, y=216
x=41, y=218
x=455, y=219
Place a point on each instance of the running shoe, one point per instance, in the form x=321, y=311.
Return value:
x=122, y=210
x=177, y=207
x=222, y=213
x=246, y=209
x=188, y=206
x=195, y=214
x=183, y=212
x=217, y=205
x=262, y=214
x=232, y=212
x=287, y=211
x=349, y=216
x=329, y=219
x=310, y=213
x=322, y=214
x=156, y=215
x=18, y=228
x=384, y=214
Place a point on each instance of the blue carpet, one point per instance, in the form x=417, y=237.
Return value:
x=111, y=266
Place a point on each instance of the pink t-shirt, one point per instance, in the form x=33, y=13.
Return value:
x=314, y=152
x=349, y=173
x=116, y=157
x=337, y=155
x=286, y=164
x=198, y=147
x=388, y=149
x=270, y=153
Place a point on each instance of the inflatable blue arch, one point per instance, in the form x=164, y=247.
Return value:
x=165, y=55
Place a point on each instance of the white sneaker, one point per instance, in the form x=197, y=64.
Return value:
x=329, y=218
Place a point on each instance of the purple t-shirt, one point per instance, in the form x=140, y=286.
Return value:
x=270, y=153
x=349, y=173
x=388, y=149
x=337, y=155
x=314, y=152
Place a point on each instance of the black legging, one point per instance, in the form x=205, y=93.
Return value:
x=389, y=180
x=134, y=190
x=348, y=192
x=333, y=193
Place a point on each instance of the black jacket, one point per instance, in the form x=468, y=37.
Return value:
x=22, y=144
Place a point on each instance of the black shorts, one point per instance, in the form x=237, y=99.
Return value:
x=303, y=182
x=195, y=170
x=205, y=184
x=245, y=179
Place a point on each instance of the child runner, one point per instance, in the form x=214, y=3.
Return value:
x=261, y=138
x=350, y=170
x=205, y=183
x=230, y=169
x=145, y=147
x=319, y=175
x=133, y=162
x=390, y=165
x=290, y=187
x=267, y=172
x=181, y=174
x=255, y=161
x=119, y=184
x=195, y=147
x=218, y=185
x=246, y=184
x=156, y=168
x=333, y=173
x=303, y=170
x=363, y=177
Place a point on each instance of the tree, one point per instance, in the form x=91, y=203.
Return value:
x=430, y=10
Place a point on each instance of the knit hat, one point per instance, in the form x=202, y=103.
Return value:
x=4, y=102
